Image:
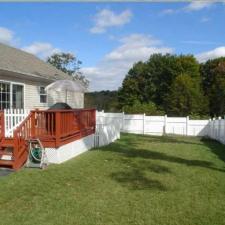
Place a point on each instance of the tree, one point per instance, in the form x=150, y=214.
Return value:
x=151, y=81
x=213, y=80
x=102, y=100
x=133, y=86
x=147, y=108
x=69, y=64
x=186, y=97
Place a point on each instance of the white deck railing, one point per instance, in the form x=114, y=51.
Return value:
x=13, y=118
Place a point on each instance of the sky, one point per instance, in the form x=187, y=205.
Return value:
x=110, y=37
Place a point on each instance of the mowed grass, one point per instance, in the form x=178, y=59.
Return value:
x=136, y=180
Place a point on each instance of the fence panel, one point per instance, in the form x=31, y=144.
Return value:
x=154, y=125
x=216, y=130
x=159, y=125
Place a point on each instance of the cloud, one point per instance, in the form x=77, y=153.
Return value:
x=110, y=71
x=6, y=35
x=215, y=53
x=205, y=19
x=107, y=18
x=193, y=6
x=198, y=5
x=192, y=42
x=168, y=12
x=41, y=49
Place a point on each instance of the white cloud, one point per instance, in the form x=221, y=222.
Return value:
x=193, y=42
x=215, y=53
x=168, y=12
x=198, y=5
x=110, y=71
x=107, y=18
x=41, y=49
x=6, y=35
x=205, y=19
x=192, y=6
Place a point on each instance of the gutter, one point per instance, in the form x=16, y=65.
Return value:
x=29, y=74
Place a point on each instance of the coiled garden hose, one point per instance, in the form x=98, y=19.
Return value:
x=36, y=154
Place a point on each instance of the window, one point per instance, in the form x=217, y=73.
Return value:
x=43, y=95
x=17, y=96
x=4, y=95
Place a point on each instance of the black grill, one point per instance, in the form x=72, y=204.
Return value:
x=60, y=105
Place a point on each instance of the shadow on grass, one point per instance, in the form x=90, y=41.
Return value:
x=153, y=155
x=216, y=147
x=134, y=176
x=135, y=179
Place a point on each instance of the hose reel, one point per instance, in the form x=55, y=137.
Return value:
x=37, y=156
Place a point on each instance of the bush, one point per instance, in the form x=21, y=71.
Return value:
x=140, y=108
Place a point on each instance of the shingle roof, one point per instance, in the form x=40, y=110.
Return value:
x=16, y=60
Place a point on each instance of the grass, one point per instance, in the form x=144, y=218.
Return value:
x=137, y=180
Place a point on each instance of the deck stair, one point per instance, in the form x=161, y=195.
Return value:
x=6, y=153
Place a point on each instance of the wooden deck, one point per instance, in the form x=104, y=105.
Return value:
x=54, y=128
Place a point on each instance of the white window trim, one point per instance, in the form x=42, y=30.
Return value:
x=46, y=94
x=11, y=93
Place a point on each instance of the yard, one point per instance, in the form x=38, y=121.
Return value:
x=136, y=180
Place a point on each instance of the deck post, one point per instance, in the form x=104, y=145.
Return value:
x=2, y=121
x=94, y=120
x=57, y=128
x=33, y=124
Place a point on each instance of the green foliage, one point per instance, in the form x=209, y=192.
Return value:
x=102, y=100
x=176, y=84
x=186, y=97
x=213, y=80
x=69, y=64
x=147, y=108
x=151, y=81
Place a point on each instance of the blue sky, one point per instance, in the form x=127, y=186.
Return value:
x=109, y=37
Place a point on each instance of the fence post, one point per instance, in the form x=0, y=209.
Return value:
x=144, y=123
x=213, y=123
x=187, y=125
x=209, y=129
x=123, y=119
x=165, y=124
x=219, y=127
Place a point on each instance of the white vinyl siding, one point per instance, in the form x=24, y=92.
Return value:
x=32, y=97
x=32, y=94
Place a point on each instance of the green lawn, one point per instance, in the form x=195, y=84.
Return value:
x=136, y=180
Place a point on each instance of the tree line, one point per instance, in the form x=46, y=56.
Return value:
x=176, y=85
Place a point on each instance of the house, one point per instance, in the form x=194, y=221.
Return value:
x=23, y=78
x=62, y=134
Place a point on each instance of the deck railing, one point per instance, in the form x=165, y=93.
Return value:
x=20, y=136
x=2, y=126
x=54, y=128
x=60, y=126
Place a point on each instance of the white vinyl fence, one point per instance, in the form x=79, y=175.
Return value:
x=216, y=130
x=155, y=125
x=159, y=125
x=13, y=118
x=107, y=128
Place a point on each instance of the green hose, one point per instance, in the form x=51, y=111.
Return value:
x=36, y=154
